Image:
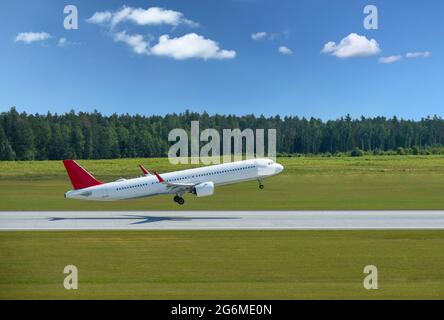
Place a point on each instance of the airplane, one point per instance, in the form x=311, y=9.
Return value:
x=199, y=181
x=144, y=171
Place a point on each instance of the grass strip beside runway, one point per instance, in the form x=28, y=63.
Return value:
x=222, y=264
x=367, y=183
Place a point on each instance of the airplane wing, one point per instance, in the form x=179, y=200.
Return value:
x=200, y=189
x=180, y=186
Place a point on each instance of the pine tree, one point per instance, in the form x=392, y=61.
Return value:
x=6, y=152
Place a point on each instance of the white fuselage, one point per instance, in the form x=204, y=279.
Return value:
x=147, y=186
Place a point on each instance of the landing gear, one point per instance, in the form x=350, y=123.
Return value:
x=261, y=186
x=179, y=200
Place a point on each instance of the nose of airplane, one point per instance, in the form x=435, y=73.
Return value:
x=279, y=168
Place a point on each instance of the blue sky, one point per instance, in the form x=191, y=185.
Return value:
x=209, y=61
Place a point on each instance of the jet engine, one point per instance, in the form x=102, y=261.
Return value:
x=204, y=189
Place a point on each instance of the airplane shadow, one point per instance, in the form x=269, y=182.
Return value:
x=144, y=219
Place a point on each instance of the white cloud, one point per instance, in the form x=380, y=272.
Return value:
x=258, y=35
x=100, y=17
x=353, y=45
x=136, y=42
x=271, y=36
x=141, y=17
x=190, y=46
x=285, y=50
x=329, y=47
x=409, y=55
x=186, y=47
x=274, y=36
x=412, y=55
x=29, y=37
x=62, y=42
x=390, y=59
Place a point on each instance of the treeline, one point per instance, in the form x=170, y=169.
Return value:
x=95, y=136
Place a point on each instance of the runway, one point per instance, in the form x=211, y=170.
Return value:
x=222, y=220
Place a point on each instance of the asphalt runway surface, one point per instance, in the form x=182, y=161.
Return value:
x=221, y=220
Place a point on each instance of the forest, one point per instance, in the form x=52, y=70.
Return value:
x=81, y=135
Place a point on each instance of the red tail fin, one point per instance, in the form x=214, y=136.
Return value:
x=80, y=178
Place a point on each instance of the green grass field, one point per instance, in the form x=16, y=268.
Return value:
x=223, y=264
x=382, y=182
x=231, y=264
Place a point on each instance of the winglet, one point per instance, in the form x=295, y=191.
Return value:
x=159, y=177
x=145, y=172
